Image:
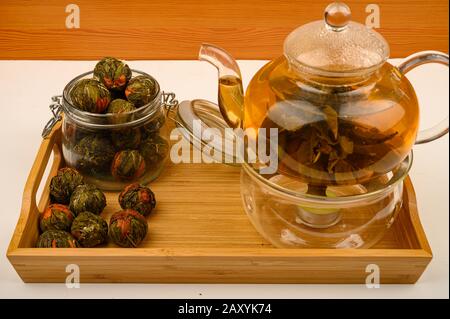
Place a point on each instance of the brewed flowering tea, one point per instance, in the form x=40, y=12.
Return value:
x=138, y=197
x=56, y=217
x=127, y=228
x=334, y=130
x=89, y=229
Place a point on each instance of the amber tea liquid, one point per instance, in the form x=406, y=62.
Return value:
x=331, y=131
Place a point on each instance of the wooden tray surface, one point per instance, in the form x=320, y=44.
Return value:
x=199, y=232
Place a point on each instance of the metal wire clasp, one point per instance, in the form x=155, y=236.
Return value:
x=169, y=101
x=55, y=107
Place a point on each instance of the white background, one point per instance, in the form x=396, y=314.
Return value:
x=25, y=91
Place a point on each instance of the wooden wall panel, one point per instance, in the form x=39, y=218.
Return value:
x=174, y=29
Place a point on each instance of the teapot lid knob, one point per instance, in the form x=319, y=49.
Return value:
x=337, y=15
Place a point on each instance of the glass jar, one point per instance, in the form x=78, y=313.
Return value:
x=112, y=150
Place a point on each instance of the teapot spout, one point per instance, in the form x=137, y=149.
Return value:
x=231, y=93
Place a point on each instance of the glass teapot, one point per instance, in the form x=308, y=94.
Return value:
x=344, y=114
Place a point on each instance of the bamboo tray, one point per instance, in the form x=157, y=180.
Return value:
x=199, y=233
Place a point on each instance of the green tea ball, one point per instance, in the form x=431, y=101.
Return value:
x=56, y=239
x=89, y=229
x=56, y=217
x=141, y=90
x=138, y=198
x=128, y=138
x=128, y=165
x=153, y=126
x=63, y=184
x=87, y=198
x=90, y=95
x=94, y=154
x=113, y=73
x=154, y=149
x=120, y=108
x=127, y=228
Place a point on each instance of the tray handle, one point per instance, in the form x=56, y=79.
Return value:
x=26, y=231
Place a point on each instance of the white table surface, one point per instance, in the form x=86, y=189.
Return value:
x=26, y=88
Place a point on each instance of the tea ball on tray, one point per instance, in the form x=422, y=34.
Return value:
x=89, y=229
x=56, y=239
x=127, y=228
x=137, y=197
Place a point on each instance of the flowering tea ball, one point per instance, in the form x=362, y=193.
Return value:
x=127, y=228
x=126, y=138
x=141, y=90
x=138, y=198
x=128, y=165
x=90, y=95
x=63, y=184
x=87, y=198
x=56, y=239
x=56, y=217
x=113, y=73
x=95, y=154
x=154, y=149
x=89, y=229
x=118, y=106
x=153, y=127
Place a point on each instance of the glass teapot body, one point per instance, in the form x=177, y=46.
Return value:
x=334, y=130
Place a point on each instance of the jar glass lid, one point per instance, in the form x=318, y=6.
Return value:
x=196, y=119
x=336, y=46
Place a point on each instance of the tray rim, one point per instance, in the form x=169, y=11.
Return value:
x=16, y=254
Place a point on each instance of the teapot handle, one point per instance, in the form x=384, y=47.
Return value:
x=412, y=62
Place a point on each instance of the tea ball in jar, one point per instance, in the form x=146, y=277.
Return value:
x=56, y=239
x=141, y=90
x=127, y=228
x=87, y=198
x=89, y=229
x=127, y=138
x=154, y=149
x=152, y=127
x=63, y=184
x=128, y=165
x=120, y=108
x=137, y=197
x=90, y=95
x=56, y=217
x=94, y=154
x=113, y=73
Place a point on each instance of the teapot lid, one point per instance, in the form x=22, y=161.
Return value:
x=336, y=46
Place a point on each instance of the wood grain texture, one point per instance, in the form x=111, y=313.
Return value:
x=200, y=233
x=174, y=29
